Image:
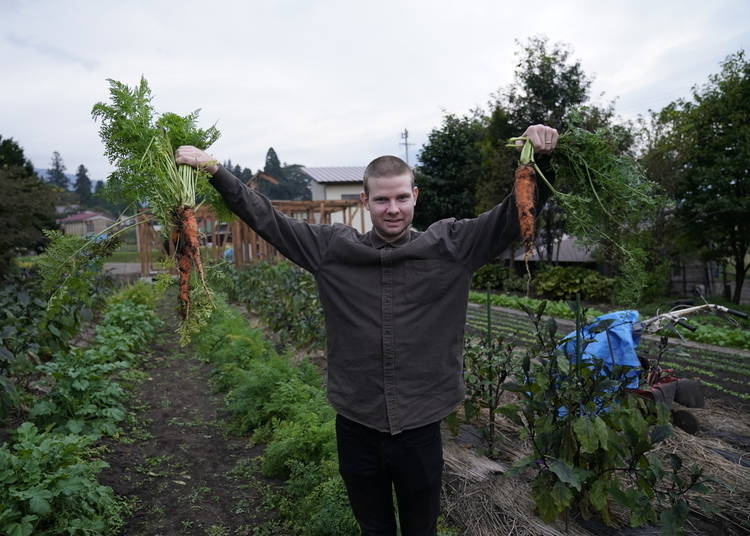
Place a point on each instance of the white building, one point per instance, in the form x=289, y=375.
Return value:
x=336, y=183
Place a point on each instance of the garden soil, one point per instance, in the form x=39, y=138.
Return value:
x=175, y=464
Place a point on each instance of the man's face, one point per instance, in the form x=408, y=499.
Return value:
x=391, y=205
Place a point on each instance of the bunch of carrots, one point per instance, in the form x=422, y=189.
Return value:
x=603, y=192
x=140, y=145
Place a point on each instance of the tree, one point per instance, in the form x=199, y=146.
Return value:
x=83, y=184
x=292, y=185
x=56, y=172
x=709, y=137
x=547, y=85
x=273, y=169
x=11, y=155
x=448, y=171
x=26, y=207
x=297, y=183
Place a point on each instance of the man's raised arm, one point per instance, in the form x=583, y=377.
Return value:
x=301, y=242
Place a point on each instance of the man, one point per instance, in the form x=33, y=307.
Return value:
x=395, y=305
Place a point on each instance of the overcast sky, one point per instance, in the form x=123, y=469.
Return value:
x=331, y=83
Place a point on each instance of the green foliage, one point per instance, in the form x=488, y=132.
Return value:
x=286, y=298
x=496, y=277
x=56, y=172
x=322, y=497
x=27, y=205
x=83, y=184
x=592, y=441
x=83, y=396
x=607, y=199
x=139, y=293
x=135, y=141
x=283, y=405
x=70, y=269
x=448, y=170
x=563, y=283
x=547, y=84
x=48, y=486
x=292, y=183
x=487, y=364
x=706, y=140
x=557, y=309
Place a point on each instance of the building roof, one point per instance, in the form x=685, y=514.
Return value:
x=569, y=251
x=85, y=216
x=351, y=174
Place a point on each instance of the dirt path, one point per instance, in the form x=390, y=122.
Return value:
x=183, y=474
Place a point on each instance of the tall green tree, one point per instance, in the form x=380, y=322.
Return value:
x=709, y=138
x=56, y=172
x=272, y=168
x=292, y=183
x=26, y=207
x=548, y=83
x=11, y=155
x=448, y=170
x=83, y=184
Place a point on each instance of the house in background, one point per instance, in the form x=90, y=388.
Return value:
x=336, y=183
x=85, y=223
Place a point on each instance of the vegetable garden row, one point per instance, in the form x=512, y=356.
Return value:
x=68, y=383
x=724, y=373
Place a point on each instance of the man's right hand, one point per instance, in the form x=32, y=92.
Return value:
x=192, y=156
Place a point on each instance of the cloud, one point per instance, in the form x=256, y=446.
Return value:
x=51, y=51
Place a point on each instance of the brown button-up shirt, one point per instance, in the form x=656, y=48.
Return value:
x=395, y=312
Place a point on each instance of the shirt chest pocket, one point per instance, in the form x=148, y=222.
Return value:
x=426, y=280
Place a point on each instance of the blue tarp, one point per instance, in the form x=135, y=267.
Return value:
x=615, y=346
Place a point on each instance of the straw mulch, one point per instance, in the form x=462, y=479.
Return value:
x=484, y=503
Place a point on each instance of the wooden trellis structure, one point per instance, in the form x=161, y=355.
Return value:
x=247, y=245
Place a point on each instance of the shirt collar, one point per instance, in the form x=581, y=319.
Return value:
x=378, y=243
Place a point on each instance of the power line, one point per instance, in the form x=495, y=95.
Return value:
x=405, y=143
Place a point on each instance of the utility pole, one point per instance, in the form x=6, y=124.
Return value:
x=405, y=143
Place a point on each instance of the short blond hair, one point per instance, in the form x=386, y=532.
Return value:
x=386, y=166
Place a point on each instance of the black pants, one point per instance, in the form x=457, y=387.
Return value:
x=374, y=463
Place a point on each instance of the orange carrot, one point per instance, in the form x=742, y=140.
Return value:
x=525, y=189
x=188, y=254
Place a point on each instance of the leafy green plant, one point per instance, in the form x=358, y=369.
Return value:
x=48, y=486
x=286, y=298
x=564, y=283
x=83, y=396
x=592, y=441
x=282, y=404
x=557, y=309
x=487, y=364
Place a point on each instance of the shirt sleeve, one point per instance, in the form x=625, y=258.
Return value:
x=478, y=241
x=301, y=242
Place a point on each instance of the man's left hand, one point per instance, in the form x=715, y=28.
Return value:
x=543, y=138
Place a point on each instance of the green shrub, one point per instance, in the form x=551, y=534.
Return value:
x=48, y=486
x=308, y=438
x=560, y=283
x=140, y=293
x=497, y=277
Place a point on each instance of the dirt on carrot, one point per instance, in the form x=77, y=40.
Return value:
x=525, y=190
x=188, y=254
